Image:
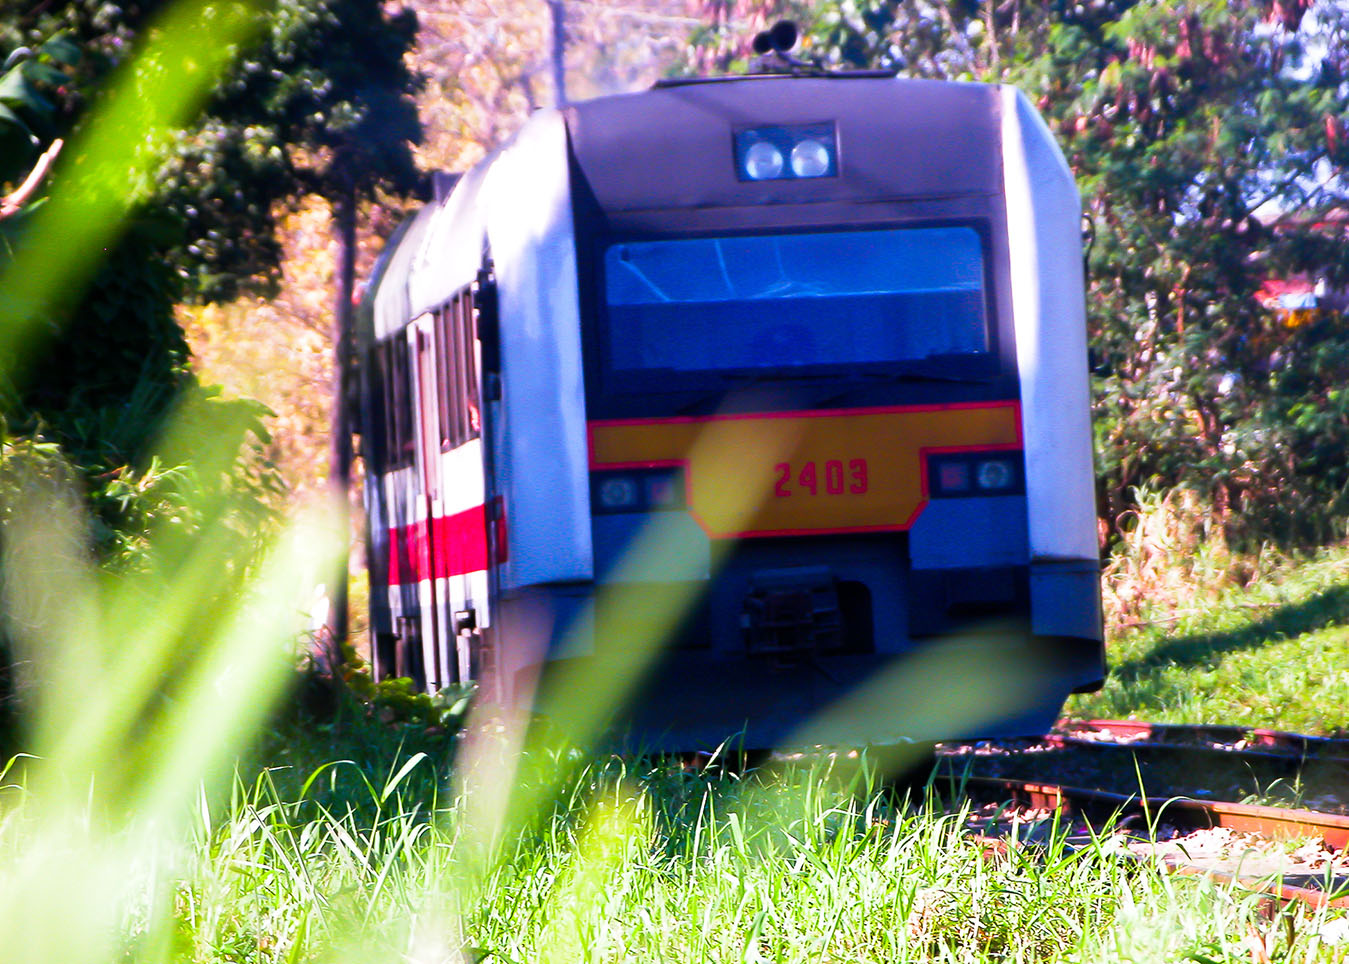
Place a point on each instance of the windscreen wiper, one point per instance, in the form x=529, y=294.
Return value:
x=740, y=379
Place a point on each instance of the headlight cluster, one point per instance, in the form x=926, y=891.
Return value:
x=636, y=490
x=777, y=153
x=976, y=473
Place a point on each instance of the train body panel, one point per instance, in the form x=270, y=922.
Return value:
x=1048, y=305
x=540, y=443
x=813, y=430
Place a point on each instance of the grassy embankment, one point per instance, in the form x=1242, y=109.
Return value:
x=356, y=840
x=1273, y=652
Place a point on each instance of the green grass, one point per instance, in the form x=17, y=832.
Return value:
x=347, y=839
x=1273, y=654
x=630, y=862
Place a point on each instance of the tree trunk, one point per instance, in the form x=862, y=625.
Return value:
x=328, y=649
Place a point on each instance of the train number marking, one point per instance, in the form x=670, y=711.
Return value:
x=838, y=478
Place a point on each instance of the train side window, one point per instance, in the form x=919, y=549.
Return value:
x=375, y=444
x=456, y=381
x=472, y=414
x=459, y=384
x=402, y=441
x=443, y=358
x=388, y=378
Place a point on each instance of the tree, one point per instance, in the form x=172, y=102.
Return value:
x=319, y=103
x=1190, y=127
x=488, y=64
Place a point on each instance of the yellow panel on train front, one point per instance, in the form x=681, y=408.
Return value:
x=789, y=473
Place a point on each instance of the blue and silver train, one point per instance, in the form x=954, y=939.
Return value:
x=790, y=371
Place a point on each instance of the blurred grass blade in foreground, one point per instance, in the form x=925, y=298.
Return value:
x=145, y=686
x=146, y=682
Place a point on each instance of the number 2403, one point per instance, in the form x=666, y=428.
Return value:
x=834, y=478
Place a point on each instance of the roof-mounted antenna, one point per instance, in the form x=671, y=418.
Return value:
x=772, y=55
x=773, y=47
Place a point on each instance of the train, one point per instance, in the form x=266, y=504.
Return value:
x=779, y=380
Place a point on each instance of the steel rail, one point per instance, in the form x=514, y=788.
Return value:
x=1322, y=747
x=1220, y=754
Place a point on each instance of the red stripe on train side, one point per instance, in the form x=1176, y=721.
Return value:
x=460, y=543
x=457, y=545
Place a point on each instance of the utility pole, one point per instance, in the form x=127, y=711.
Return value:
x=328, y=651
x=559, y=58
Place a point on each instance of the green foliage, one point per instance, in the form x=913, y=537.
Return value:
x=102, y=392
x=32, y=85
x=1183, y=124
x=319, y=101
x=321, y=105
x=398, y=700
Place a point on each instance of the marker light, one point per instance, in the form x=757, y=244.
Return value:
x=618, y=492
x=994, y=474
x=953, y=477
x=786, y=153
x=763, y=161
x=661, y=492
x=810, y=158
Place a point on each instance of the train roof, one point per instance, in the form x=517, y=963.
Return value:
x=671, y=147
x=771, y=75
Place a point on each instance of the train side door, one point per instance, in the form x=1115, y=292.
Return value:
x=464, y=523
x=431, y=588
x=400, y=650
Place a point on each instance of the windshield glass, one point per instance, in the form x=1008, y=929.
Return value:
x=813, y=301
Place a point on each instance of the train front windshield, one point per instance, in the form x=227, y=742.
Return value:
x=706, y=309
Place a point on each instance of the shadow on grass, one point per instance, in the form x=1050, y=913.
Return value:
x=1324, y=610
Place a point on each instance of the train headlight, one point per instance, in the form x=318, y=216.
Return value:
x=958, y=474
x=810, y=158
x=763, y=161
x=786, y=153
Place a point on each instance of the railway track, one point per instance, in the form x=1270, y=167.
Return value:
x=1167, y=760
x=1234, y=843
x=1253, y=741
x=1285, y=853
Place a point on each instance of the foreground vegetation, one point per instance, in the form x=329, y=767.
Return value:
x=325, y=832
x=382, y=861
